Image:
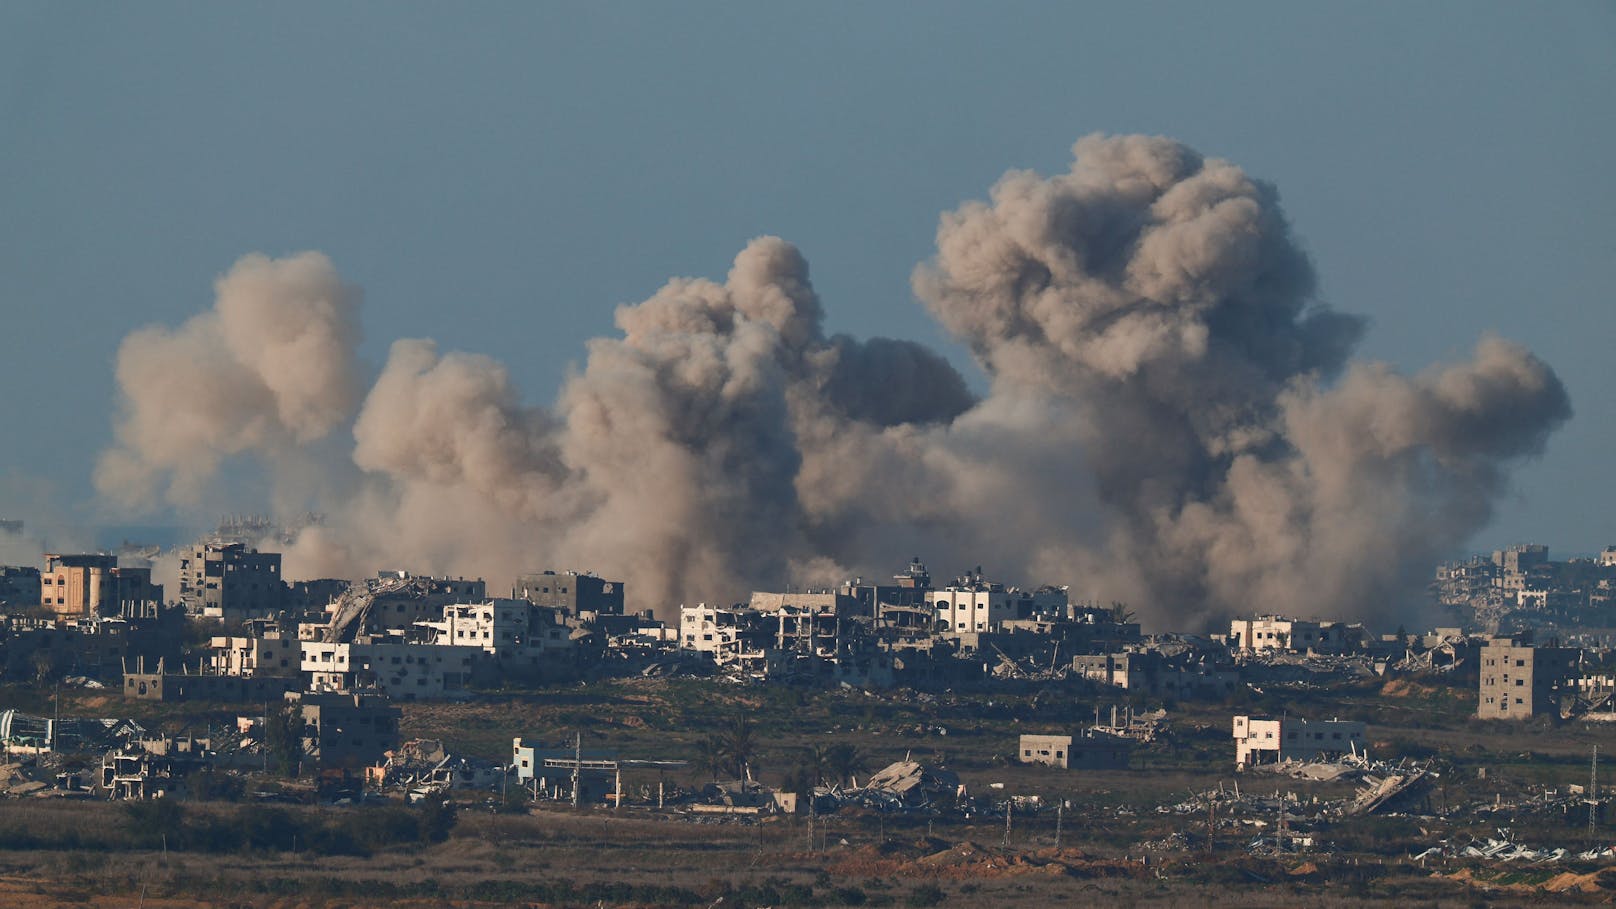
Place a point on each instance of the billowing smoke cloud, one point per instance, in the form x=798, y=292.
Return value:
x=270, y=367
x=1171, y=421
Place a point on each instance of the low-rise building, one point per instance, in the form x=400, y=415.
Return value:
x=1265, y=739
x=1091, y=750
x=1275, y=632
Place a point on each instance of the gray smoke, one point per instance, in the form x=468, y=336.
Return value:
x=1171, y=420
x=1163, y=295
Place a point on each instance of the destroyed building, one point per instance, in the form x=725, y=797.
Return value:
x=1275, y=632
x=1520, y=679
x=156, y=681
x=1091, y=749
x=346, y=730
x=229, y=581
x=576, y=594
x=266, y=649
x=1266, y=739
x=393, y=600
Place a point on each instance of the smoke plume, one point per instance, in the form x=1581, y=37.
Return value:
x=1172, y=419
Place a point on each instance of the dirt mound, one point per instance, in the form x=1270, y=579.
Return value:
x=967, y=860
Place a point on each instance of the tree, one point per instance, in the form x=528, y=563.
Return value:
x=436, y=817
x=739, y=745
x=283, y=739
x=710, y=755
x=1120, y=613
x=816, y=761
x=845, y=760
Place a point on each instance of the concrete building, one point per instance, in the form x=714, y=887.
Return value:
x=266, y=650
x=149, y=682
x=347, y=730
x=1092, y=750
x=970, y=604
x=1263, y=739
x=726, y=635
x=19, y=587
x=389, y=663
x=92, y=584
x=574, y=593
x=1275, y=632
x=230, y=581
x=1520, y=679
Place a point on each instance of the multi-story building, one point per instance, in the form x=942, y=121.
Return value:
x=347, y=730
x=403, y=669
x=727, y=635
x=230, y=581
x=572, y=592
x=92, y=584
x=1265, y=739
x=1520, y=679
x=265, y=651
x=971, y=604
x=19, y=586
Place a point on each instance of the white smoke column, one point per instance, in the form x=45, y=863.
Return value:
x=270, y=367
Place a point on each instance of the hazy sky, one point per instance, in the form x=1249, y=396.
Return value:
x=499, y=177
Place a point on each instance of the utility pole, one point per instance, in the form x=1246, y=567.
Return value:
x=1009, y=803
x=577, y=764
x=1593, y=796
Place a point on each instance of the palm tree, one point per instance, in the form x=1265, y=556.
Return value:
x=738, y=744
x=846, y=760
x=710, y=755
x=1120, y=613
x=816, y=762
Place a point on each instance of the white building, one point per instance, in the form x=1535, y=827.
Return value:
x=1275, y=632
x=1262, y=739
x=390, y=663
x=722, y=633
x=973, y=606
x=272, y=653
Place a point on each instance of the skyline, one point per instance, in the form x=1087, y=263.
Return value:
x=449, y=239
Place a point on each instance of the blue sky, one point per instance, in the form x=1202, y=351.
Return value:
x=500, y=176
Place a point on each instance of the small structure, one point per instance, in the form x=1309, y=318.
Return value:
x=1262, y=739
x=1091, y=750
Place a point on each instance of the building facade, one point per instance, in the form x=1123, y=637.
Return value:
x=1521, y=680
x=230, y=581
x=1263, y=739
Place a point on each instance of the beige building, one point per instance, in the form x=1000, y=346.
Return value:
x=92, y=584
x=1276, y=632
x=1519, y=680
x=1266, y=739
x=1090, y=751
